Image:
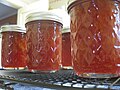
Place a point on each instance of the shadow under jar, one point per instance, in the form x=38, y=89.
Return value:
x=66, y=49
x=44, y=41
x=14, y=48
x=95, y=34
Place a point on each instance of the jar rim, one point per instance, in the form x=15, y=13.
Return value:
x=15, y=28
x=43, y=15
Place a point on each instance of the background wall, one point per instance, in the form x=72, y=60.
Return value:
x=9, y=20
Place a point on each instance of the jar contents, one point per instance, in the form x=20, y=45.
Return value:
x=44, y=45
x=95, y=34
x=14, y=50
x=66, y=51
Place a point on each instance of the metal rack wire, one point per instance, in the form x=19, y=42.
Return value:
x=63, y=79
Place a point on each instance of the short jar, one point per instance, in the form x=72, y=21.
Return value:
x=44, y=41
x=66, y=49
x=14, y=48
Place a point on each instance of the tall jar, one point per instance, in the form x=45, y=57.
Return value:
x=44, y=41
x=95, y=34
x=14, y=48
x=66, y=49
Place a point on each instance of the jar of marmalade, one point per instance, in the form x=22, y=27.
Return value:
x=14, y=48
x=95, y=34
x=44, y=41
x=66, y=49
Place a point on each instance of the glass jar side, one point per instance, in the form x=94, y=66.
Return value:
x=14, y=50
x=95, y=38
x=44, y=45
x=66, y=51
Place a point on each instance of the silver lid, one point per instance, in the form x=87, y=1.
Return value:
x=66, y=30
x=46, y=15
x=14, y=28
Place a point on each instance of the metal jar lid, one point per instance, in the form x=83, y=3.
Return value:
x=14, y=28
x=45, y=15
x=66, y=30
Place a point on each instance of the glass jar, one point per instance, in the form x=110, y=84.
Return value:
x=66, y=49
x=44, y=41
x=95, y=34
x=0, y=49
x=14, y=48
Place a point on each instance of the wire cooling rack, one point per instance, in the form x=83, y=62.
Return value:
x=63, y=79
